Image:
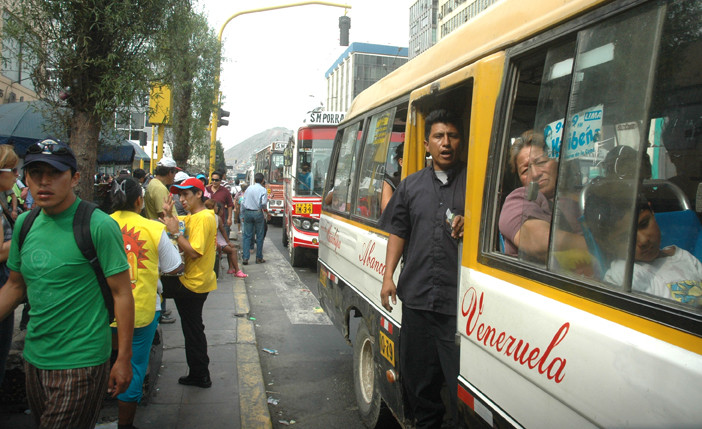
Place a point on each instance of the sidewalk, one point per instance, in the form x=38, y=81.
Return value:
x=237, y=397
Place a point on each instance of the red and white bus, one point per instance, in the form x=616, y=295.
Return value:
x=269, y=162
x=306, y=161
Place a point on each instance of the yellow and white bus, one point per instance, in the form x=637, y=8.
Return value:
x=574, y=336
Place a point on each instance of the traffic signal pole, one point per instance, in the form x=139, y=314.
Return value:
x=215, y=112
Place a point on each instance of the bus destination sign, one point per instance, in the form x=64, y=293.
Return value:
x=325, y=118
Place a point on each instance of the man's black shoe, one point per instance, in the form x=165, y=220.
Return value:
x=245, y=261
x=203, y=382
x=260, y=260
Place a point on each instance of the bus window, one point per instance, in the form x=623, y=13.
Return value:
x=341, y=191
x=277, y=168
x=373, y=164
x=529, y=184
x=314, y=147
x=606, y=161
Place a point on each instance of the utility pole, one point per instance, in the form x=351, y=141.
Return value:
x=215, y=113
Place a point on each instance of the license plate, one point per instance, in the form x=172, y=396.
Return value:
x=387, y=348
x=303, y=208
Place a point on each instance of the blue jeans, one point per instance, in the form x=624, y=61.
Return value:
x=253, y=221
x=141, y=351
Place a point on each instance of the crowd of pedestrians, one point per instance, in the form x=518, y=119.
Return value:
x=101, y=280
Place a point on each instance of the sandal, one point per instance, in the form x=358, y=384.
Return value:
x=231, y=271
x=241, y=274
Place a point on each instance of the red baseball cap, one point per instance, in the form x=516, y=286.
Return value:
x=186, y=184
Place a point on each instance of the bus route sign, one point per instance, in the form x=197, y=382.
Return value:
x=325, y=118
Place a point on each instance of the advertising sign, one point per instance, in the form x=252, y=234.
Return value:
x=584, y=132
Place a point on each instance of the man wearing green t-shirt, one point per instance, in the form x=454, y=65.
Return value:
x=68, y=342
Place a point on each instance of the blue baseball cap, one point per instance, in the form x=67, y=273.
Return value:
x=52, y=152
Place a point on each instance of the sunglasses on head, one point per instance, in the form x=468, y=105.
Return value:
x=48, y=147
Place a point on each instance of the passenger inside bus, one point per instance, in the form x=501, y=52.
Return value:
x=670, y=272
x=305, y=178
x=525, y=220
x=391, y=181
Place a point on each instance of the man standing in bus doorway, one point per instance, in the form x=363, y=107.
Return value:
x=425, y=220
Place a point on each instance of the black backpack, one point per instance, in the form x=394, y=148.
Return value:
x=81, y=232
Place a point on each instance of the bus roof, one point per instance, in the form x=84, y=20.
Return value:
x=482, y=36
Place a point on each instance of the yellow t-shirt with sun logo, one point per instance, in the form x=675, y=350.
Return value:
x=141, y=237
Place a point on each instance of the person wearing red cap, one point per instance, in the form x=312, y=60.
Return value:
x=190, y=290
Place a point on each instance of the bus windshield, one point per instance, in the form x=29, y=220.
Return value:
x=314, y=152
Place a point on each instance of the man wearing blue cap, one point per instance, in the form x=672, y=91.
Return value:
x=68, y=343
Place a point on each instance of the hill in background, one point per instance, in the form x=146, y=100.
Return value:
x=239, y=156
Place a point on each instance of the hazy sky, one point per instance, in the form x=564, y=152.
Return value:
x=275, y=61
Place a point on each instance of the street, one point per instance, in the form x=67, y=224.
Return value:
x=310, y=379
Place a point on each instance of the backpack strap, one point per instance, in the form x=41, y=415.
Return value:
x=26, y=225
x=81, y=231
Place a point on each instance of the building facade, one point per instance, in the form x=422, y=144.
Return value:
x=360, y=66
x=422, y=26
x=454, y=13
x=16, y=65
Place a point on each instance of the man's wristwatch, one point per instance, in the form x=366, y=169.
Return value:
x=174, y=236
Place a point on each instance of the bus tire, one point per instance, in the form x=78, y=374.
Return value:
x=285, y=236
x=364, y=380
x=297, y=255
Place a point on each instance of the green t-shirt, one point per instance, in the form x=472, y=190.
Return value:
x=67, y=321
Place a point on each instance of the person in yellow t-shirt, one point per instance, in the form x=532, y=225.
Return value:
x=149, y=251
x=190, y=290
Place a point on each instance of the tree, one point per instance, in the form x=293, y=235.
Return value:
x=188, y=51
x=96, y=51
x=220, y=162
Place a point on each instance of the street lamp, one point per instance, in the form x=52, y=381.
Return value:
x=215, y=113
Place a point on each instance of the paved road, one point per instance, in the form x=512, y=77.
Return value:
x=311, y=377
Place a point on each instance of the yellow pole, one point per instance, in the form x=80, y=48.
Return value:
x=215, y=114
x=152, y=163
x=161, y=137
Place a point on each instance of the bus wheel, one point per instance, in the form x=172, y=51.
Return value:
x=365, y=383
x=285, y=236
x=297, y=255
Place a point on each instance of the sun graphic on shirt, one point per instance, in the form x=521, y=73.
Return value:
x=135, y=251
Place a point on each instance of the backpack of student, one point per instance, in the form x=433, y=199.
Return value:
x=81, y=232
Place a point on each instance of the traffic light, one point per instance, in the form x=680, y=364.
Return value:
x=344, y=26
x=221, y=121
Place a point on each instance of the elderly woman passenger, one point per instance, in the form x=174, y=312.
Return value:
x=525, y=220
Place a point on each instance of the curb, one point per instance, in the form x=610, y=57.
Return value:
x=252, y=392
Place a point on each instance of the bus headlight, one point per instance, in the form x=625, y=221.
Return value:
x=315, y=226
x=306, y=224
x=296, y=222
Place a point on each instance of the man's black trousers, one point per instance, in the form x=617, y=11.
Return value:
x=429, y=357
x=189, y=305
